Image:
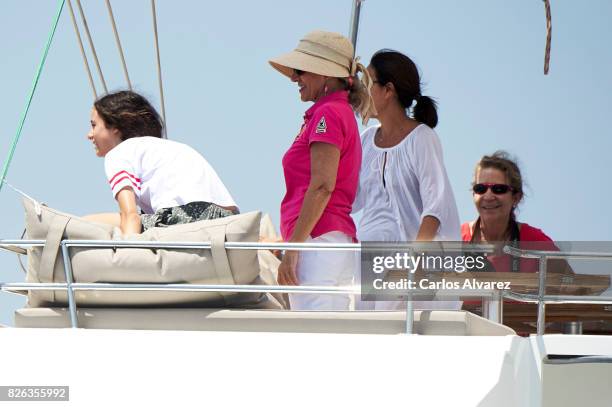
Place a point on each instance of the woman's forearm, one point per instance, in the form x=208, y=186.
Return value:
x=428, y=229
x=128, y=212
x=130, y=224
x=315, y=201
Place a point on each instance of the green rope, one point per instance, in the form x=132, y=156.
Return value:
x=7, y=163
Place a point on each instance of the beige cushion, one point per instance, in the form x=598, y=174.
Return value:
x=268, y=263
x=215, y=266
x=459, y=323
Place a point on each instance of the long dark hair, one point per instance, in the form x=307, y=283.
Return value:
x=398, y=69
x=130, y=113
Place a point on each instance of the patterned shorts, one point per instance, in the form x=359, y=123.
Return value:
x=191, y=212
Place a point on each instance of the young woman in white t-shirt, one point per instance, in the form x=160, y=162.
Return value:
x=170, y=182
x=404, y=191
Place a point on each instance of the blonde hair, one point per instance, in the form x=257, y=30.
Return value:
x=360, y=96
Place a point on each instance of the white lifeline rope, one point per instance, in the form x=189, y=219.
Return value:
x=118, y=41
x=37, y=205
x=37, y=209
x=159, y=73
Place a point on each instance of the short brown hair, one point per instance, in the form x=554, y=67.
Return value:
x=502, y=161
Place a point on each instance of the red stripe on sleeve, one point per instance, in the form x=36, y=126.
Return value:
x=124, y=172
x=121, y=179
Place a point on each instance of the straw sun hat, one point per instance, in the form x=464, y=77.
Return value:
x=320, y=52
x=332, y=55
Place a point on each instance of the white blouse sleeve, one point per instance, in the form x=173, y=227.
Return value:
x=434, y=186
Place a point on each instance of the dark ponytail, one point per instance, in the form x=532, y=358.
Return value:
x=425, y=111
x=396, y=68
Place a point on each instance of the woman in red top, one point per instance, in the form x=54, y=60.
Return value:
x=497, y=190
x=321, y=166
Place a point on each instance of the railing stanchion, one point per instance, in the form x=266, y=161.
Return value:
x=492, y=307
x=409, y=304
x=486, y=307
x=573, y=328
x=410, y=308
x=500, y=296
x=74, y=323
x=541, y=293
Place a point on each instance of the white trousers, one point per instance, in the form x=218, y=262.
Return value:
x=327, y=268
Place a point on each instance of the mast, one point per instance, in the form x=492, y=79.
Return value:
x=354, y=28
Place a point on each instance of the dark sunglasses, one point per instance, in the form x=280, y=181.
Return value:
x=497, y=189
x=298, y=72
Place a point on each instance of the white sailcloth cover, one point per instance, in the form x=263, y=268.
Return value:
x=127, y=265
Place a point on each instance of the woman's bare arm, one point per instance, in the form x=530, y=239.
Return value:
x=428, y=229
x=128, y=212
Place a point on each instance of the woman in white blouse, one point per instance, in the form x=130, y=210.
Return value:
x=404, y=191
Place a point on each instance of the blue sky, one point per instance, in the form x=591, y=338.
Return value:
x=482, y=61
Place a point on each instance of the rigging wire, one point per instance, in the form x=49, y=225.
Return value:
x=548, y=36
x=159, y=72
x=118, y=41
x=78, y=34
x=91, y=44
x=7, y=163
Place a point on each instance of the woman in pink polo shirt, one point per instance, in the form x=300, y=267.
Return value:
x=322, y=166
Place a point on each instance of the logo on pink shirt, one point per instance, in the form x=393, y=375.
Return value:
x=322, y=126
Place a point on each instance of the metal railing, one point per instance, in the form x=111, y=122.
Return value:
x=492, y=299
x=71, y=287
x=541, y=298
